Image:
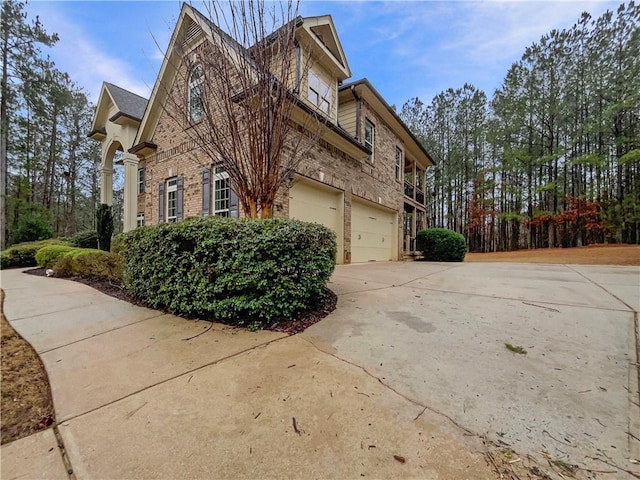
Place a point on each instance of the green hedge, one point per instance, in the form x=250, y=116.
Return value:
x=47, y=256
x=24, y=254
x=237, y=271
x=88, y=263
x=441, y=245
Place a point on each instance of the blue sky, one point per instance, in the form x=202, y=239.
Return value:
x=406, y=49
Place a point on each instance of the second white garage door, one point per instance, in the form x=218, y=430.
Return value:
x=373, y=232
x=313, y=202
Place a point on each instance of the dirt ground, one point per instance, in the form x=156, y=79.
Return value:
x=26, y=399
x=589, y=255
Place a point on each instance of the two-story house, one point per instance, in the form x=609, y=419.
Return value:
x=363, y=177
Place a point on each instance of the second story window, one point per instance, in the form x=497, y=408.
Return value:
x=369, y=137
x=195, y=94
x=319, y=92
x=398, y=164
x=140, y=219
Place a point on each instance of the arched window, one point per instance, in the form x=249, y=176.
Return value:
x=195, y=94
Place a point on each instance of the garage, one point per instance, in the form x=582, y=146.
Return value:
x=314, y=202
x=373, y=233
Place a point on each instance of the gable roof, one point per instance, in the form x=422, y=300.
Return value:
x=127, y=103
x=323, y=32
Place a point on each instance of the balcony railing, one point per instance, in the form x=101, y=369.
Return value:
x=413, y=193
x=408, y=190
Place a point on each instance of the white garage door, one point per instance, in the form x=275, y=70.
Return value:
x=312, y=202
x=373, y=233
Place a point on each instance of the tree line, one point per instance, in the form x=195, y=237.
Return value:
x=50, y=183
x=553, y=158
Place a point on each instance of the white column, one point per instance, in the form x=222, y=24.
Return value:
x=106, y=185
x=130, y=191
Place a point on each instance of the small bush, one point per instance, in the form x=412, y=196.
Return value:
x=88, y=239
x=441, y=245
x=24, y=254
x=5, y=261
x=239, y=271
x=46, y=257
x=89, y=263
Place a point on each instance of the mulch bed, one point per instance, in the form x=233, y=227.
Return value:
x=26, y=404
x=321, y=309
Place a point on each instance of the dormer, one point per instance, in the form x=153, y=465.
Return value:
x=324, y=62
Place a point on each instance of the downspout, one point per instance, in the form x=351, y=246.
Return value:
x=358, y=103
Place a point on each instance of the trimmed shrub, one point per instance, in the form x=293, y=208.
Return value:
x=238, y=271
x=88, y=239
x=441, y=245
x=80, y=252
x=104, y=222
x=24, y=254
x=47, y=256
x=90, y=263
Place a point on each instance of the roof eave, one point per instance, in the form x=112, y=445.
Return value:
x=365, y=82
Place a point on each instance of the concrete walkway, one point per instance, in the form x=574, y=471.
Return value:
x=412, y=350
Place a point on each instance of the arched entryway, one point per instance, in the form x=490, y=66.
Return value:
x=115, y=125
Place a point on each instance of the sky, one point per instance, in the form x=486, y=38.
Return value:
x=406, y=49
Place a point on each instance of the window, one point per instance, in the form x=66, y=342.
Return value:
x=398, y=164
x=369, y=136
x=319, y=93
x=221, y=192
x=140, y=219
x=140, y=181
x=195, y=93
x=172, y=200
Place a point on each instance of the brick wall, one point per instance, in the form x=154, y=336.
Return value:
x=177, y=155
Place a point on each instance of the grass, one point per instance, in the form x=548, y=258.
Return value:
x=26, y=397
x=516, y=348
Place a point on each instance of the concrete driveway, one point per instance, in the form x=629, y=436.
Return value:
x=411, y=361
x=437, y=332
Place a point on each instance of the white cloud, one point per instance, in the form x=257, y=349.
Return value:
x=85, y=60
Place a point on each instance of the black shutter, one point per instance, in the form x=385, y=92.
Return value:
x=179, y=198
x=206, y=193
x=160, y=202
x=233, y=203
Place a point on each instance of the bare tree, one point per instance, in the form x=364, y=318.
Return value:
x=237, y=93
